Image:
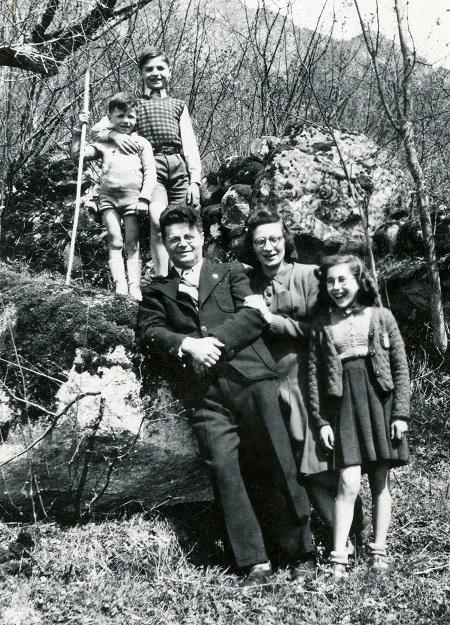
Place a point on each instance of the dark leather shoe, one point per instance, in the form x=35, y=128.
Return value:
x=256, y=577
x=304, y=571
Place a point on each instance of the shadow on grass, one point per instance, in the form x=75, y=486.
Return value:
x=201, y=532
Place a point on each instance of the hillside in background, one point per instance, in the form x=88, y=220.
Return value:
x=243, y=73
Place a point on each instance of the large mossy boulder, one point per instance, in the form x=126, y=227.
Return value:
x=87, y=424
x=306, y=180
x=303, y=175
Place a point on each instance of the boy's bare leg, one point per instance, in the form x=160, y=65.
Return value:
x=112, y=223
x=131, y=227
x=157, y=249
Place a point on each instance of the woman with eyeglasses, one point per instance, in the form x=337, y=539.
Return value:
x=285, y=293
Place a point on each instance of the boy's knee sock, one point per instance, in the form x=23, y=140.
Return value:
x=134, y=277
x=117, y=268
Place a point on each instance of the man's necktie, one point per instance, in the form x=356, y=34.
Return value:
x=188, y=287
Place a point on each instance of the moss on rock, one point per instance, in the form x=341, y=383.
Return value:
x=51, y=322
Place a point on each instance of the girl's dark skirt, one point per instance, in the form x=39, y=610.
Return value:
x=363, y=421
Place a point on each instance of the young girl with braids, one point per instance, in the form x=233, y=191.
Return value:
x=359, y=397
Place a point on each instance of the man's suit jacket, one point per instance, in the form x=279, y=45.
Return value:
x=166, y=316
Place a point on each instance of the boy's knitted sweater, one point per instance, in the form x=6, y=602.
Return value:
x=388, y=358
x=126, y=175
x=159, y=121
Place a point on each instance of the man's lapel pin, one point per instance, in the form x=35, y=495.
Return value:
x=215, y=276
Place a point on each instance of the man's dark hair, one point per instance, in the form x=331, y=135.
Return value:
x=179, y=214
x=122, y=101
x=260, y=217
x=151, y=52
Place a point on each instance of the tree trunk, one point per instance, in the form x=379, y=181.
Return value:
x=403, y=125
x=407, y=130
x=436, y=306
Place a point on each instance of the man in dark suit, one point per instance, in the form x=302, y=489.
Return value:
x=196, y=315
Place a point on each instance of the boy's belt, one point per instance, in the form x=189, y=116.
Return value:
x=166, y=149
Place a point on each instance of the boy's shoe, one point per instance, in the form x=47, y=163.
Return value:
x=378, y=558
x=258, y=575
x=304, y=571
x=135, y=293
x=117, y=268
x=134, y=266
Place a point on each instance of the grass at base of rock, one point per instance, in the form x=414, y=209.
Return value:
x=136, y=571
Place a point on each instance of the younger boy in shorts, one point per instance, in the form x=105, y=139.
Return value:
x=166, y=123
x=126, y=186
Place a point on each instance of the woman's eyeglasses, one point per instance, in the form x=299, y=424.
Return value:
x=274, y=241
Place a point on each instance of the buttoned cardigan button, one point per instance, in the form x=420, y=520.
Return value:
x=203, y=328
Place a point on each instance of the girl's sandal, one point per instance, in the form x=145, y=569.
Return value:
x=340, y=563
x=378, y=558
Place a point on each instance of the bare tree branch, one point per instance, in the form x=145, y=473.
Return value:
x=42, y=53
x=47, y=18
x=53, y=423
x=373, y=53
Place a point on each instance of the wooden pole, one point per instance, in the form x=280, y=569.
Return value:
x=79, y=179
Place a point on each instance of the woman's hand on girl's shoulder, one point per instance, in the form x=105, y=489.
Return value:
x=327, y=437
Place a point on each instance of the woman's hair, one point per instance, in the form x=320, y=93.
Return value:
x=367, y=290
x=151, y=52
x=260, y=217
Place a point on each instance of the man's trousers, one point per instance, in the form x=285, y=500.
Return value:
x=244, y=442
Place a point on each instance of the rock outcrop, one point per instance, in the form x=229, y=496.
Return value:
x=304, y=176
x=79, y=434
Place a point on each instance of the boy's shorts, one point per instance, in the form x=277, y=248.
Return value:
x=123, y=206
x=172, y=179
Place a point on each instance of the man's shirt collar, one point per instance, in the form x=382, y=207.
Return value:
x=191, y=274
